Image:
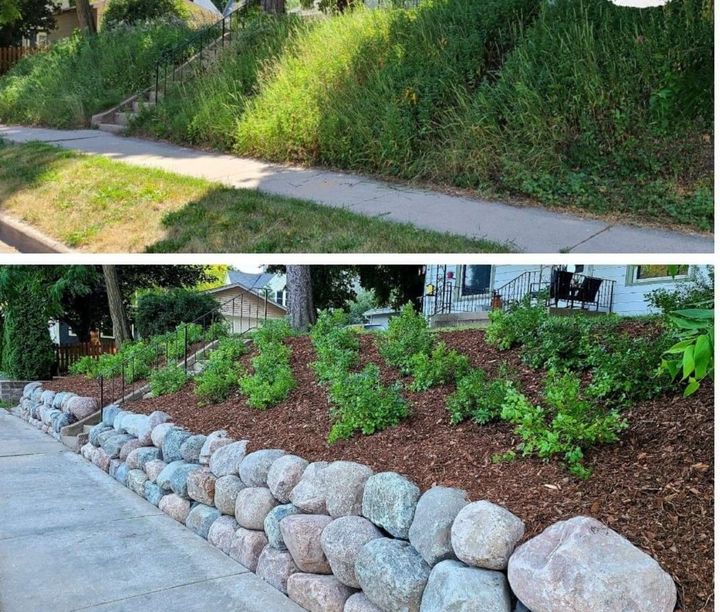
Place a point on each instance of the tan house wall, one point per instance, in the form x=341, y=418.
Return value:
x=245, y=310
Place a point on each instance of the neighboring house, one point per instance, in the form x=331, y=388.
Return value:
x=379, y=318
x=248, y=299
x=456, y=294
x=62, y=335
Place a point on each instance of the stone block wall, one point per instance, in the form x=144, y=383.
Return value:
x=337, y=537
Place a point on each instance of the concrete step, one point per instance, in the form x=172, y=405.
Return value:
x=87, y=428
x=154, y=97
x=141, y=105
x=124, y=118
x=112, y=128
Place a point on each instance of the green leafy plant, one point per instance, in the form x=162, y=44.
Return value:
x=169, y=379
x=161, y=311
x=272, y=331
x=337, y=345
x=477, y=397
x=439, y=367
x=222, y=372
x=126, y=12
x=272, y=378
x=361, y=403
x=513, y=327
x=691, y=360
x=407, y=335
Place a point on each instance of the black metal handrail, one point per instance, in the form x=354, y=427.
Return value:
x=176, y=57
x=123, y=387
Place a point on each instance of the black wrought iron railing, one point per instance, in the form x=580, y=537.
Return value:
x=175, y=64
x=185, y=347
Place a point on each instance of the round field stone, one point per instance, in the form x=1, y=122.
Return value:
x=246, y=547
x=81, y=407
x=455, y=586
x=174, y=477
x=201, y=518
x=275, y=567
x=138, y=457
x=136, y=481
x=121, y=473
x=360, y=603
x=114, y=444
x=214, y=441
x=344, y=486
x=175, y=507
x=309, y=493
x=435, y=513
x=108, y=415
x=301, y=534
x=201, y=486
x=272, y=524
x=222, y=532
x=226, y=492
x=128, y=447
x=172, y=443
x=580, y=565
x=96, y=431
x=389, y=501
x=252, y=506
x=158, y=433
x=392, y=574
x=226, y=459
x=254, y=467
x=318, y=593
x=284, y=474
x=104, y=436
x=101, y=459
x=342, y=541
x=485, y=535
x=190, y=449
x=113, y=467
x=154, y=467
x=152, y=493
x=29, y=388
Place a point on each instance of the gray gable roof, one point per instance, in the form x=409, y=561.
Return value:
x=249, y=281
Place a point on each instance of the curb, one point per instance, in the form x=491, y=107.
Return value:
x=27, y=239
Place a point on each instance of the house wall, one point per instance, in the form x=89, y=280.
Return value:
x=246, y=310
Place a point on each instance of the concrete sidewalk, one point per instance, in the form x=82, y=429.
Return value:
x=72, y=538
x=526, y=229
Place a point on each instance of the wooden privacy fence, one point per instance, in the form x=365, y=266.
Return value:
x=67, y=354
x=10, y=55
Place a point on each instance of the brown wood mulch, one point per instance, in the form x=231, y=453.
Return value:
x=655, y=486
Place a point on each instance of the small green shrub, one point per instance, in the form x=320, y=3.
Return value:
x=516, y=325
x=361, y=403
x=272, y=378
x=85, y=366
x=217, y=330
x=567, y=426
x=337, y=345
x=440, y=367
x=478, y=398
x=272, y=331
x=697, y=290
x=222, y=373
x=407, y=335
x=169, y=379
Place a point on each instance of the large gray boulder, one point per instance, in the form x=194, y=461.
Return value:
x=317, y=593
x=344, y=485
x=455, y=586
x=275, y=567
x=309, y=493
x=226, y=492
x=435, y=513
x=272, y=524
x=190, y=449
x=114, y=444
x=81, y=407
x=109, y=413
x=139, y=457
x=154, y=468
x=485, y=535
x=201, y=518
x=117, y=421
x=252, y=506
x=254, y=467
x=213, y=441
x=137, y=425
x=175, y=506
x=222, y=532
x=392, y=574
x=283, y=476
x=174, y=477
x=226, y=459
x=158, y=433
x=301, y=534
x=152, y=493
x=201, y=486
x=136, y=481
x=342, y=540
x=360, y=603
x=246, y=547
x=580, y=565
x=172, y=443
x=29, y=388
x=389, y=502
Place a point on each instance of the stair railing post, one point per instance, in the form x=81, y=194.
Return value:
x=186, y=348
x=102, y=393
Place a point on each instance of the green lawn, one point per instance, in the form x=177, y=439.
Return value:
x=94, y=204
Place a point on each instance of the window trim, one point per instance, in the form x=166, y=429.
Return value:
x=632, y=277
x=461, y=284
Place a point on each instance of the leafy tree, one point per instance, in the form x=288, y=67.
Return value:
x=24, y=19
x=132, y=11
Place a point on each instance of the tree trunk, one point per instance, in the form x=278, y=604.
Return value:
x=121, y=327
x=277, y=7
x=300, y=298
x=85, y=16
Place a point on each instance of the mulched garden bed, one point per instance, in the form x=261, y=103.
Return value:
x=90, y=387
x=655, y=486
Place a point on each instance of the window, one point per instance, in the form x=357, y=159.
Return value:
x=279, y=298
x=658, y=272
x=475, y=280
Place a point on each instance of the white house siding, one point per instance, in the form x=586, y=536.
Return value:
x=245, y=310
x=628, y=299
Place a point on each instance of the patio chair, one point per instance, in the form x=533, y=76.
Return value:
x=561, y=286
x=587, y=293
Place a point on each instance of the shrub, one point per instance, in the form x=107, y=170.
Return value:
x=272, y=378
x=477, y=398
x=272, y=331
x=85, y=366
x=222, y=373
x=337, y=346
x=696, y=291
x=516, y=325
x=158, y=312
x=169, y=379
x=128, y=12
x=407, y=335
x=172, y=344
x=82, y=75
x=362, y=403
x=440, y=367
x=567, y=426
x=217, y=330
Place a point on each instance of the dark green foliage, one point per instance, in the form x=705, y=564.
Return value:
x=27, y=349
x=439, y=367
x=362, y=403
x=222, y=372
x=129, y=12
x=509, y=328
x=169, y=379
x=272, y=331
x=407, y=335
x=337, y=346
x=34, y=16
x=158, y=312
x=566, y=425
x=696, y=291
x=477, y=397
